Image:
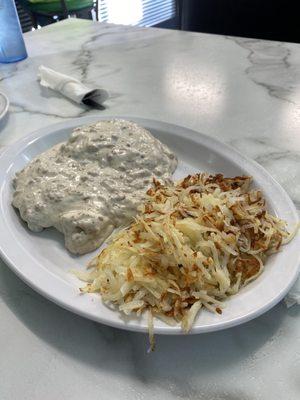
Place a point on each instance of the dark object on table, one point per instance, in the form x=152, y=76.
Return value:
x=268, y=19
x=24, y=17
x=46, y=12
x=95, y=99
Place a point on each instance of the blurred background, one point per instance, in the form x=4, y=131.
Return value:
x=264, y=19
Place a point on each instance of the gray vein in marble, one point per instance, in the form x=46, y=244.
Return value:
x=270, y=67
x=11, y=70
x=8, y=74
x=277, y=155
x=83, y=61
x=267, y=151
x=85, y=56
x=20, y=108
x=275, y=160
x=8, y=71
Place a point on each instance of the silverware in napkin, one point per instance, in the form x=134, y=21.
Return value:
x=72, y=88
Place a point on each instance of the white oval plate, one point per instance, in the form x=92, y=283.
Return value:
x=4, y=104
x=41, y=260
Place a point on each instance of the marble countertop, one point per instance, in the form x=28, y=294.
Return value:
x=245, y=92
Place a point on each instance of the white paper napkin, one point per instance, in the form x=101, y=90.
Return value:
x=293, y=296
x=70, y=87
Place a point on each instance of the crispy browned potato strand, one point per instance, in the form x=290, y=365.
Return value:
x=193, y=244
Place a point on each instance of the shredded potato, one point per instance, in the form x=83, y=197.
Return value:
x=193, y=244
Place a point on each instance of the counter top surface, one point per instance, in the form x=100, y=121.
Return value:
x=245, y=92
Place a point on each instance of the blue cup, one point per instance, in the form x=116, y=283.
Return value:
x=12, y=46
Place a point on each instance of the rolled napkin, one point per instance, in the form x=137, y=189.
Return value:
x=71, y=88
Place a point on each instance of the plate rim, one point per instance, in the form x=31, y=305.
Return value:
x=4, y=111
x=200, y=138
